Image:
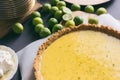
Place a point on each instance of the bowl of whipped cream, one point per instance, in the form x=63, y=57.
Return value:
x=8, y=63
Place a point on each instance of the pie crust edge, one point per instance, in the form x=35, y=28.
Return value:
x=105, y=29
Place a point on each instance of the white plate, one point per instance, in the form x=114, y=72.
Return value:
x=87, y=2
x=27, y=55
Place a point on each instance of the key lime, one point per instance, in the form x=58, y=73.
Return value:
x=35, y=14
x=70, y=23
x=75, y=7
x=53, y=10
x=61, y=8
x=67, y=17
x=89, y=9
x=44, y=32
x=101, y=11
x=58, y=15
x=52, y=22
x=38, y=27
x=17, y=28
x=60, y=4
x=57, y=27
x=37, y=20
x=54, y=2
x=46, y=7
x=93, y=21
x=78, y=20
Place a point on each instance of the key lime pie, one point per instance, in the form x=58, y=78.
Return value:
x=86, y=52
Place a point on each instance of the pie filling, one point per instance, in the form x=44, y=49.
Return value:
x=82, y=55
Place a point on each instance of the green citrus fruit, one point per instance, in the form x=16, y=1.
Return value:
x=89, y=9
x=52, y=22
x=38, y=27
x=17, y=28
x=93, y=21
x=46, y=7
x=36, y=14
x=70, y=23
x=57, y=27
x=61, y=8
x=58, y=15
x=78, y=20
x=75, y=7
x=60, y=4
x=44, y=32
x=54, y=2
x=53, y=10
x=37, y=20
x=101, y=11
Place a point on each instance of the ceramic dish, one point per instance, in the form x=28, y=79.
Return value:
x=87, y=2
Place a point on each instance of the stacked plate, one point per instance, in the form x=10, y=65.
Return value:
x=10, y=9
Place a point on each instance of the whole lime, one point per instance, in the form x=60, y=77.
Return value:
x=58, y=15
x=17, y=28
x=101, y=11
x=37, y=20
x=52, y=22
x=38, y=27
x=46, y=7
x=57, y=27
x=54, y=2
x=78, y=20
x=89, y=9
x=35, y=14
x=70, y=23
x=53, y=10
x=60, y=4
x=93, y=21
x=75, y=7
x=44, y=32
x=61, y=8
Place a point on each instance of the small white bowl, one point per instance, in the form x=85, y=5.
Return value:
x=9, y=75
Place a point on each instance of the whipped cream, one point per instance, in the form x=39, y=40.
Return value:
x=6, y=62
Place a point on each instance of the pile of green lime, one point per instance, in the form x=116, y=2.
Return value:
x=59, y=12
x=39, y=27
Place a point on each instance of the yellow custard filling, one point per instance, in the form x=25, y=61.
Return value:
x=82, y=55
